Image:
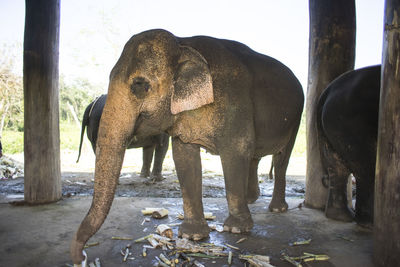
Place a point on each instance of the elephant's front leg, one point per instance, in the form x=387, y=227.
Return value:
x=188, y=168
x=236, y=170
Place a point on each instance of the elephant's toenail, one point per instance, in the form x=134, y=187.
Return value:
x=236, y=230
x=196, y=237
x=185, y=236
x=226, y=228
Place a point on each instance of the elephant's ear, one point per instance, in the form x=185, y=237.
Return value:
x=193, y=83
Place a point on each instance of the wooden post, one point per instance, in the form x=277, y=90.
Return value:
x=41, y=111
x=387, y=181
x=331, y=52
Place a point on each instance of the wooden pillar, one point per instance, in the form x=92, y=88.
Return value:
x=387, y=181
x=41, y=112
x=331, y=52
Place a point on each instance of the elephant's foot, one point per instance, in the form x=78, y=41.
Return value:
x=343, y=214
x=157, y=177
x=278, y=205
x=195, y=230
x=144, y=173
x=364, y=220
x=238, y=225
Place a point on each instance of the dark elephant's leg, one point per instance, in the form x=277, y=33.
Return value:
x=236, y=170
x=280, y=163
x=159, y=155
x=364, y=211
x=253, y=189
x=188, y=168
x=338, y=174
x=147, y=159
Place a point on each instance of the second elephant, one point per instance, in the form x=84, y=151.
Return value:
x=157, y=144
x=347, y=134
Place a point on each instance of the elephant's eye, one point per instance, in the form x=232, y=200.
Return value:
x=140, y=87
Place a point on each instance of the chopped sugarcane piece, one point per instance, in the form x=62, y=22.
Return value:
x=126, y=254
x=207, y=216
x=184, y=256
x=230, y=246
x=202, y=255
x=149, y=211
x=290, y=260
x=241, y=240
x=91, y=245
x=161, y=238
x=230, y=258
x=160, y=213
x=160, y=262
x=164, y=230
x=302, y=242
x=143, y=238
x=153, y=242
x=313, y=257
x=144, y=252
x=165, y=259
x=121, y=238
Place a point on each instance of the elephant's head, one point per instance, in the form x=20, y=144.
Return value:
x=154, y=80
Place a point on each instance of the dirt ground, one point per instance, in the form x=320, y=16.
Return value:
x=40, y=236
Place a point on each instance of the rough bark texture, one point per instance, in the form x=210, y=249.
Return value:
x=41, y=137
x=387, y=185
x=331, y=52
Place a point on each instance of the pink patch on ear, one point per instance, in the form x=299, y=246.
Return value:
x=196, y=97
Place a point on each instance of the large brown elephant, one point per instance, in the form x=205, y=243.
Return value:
x=204, y=92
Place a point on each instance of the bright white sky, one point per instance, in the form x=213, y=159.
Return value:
x=93, y=33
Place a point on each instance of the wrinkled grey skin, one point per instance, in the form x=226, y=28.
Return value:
x=347, y=135
x=157, y=145
x=204, y=92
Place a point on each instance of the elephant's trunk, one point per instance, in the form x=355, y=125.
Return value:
x=116, y=127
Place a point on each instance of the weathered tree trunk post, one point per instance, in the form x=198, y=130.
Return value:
x=387, y=181
x=331, y=52
x=41, y=112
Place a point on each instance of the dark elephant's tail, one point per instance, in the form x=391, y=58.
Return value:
x=85, y=122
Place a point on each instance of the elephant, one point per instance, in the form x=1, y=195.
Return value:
x=347, y=127
x=158, y=143
x=204, y=92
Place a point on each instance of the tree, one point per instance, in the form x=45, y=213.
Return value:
x=78, y=93
x=11, y=90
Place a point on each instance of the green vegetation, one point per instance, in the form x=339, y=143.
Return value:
x=13, y=141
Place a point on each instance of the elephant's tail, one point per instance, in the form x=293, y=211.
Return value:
x=85, y=122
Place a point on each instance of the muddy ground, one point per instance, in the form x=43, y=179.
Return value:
x=40, y=235
x=78, y=178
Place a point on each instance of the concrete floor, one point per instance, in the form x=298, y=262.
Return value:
x=40, y=236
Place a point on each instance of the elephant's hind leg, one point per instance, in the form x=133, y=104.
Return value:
x=280, y=163
x=253, y=189
x=159, y=155
x=147, y=159
x=338, y=174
